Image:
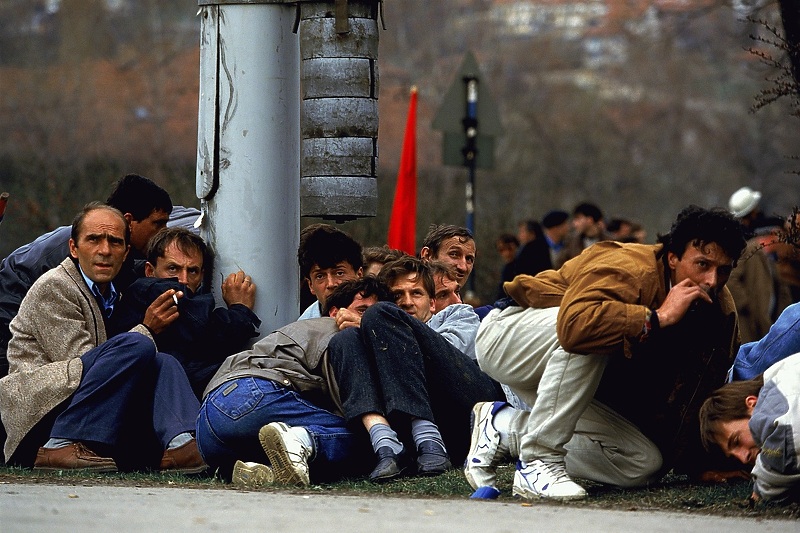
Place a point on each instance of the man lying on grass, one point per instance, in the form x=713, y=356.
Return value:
x=758, y=422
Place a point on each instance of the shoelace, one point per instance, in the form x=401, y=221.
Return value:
x=557, y=470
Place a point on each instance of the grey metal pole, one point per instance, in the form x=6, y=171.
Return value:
x=248, y=161
x=470, y=153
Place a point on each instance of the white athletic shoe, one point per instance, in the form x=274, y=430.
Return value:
x=485, y=450
x=251, y=475
x=287, y=454
x=545, y=480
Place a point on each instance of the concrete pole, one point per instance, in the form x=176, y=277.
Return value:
x=248, y=161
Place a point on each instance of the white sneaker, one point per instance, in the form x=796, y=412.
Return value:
x=545, y=480
x=485, y=449
x=251, y=475
x=287, y=454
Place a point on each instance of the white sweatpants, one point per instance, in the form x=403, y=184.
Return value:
x=519, y=347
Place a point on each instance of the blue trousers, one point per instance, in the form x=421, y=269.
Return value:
x=397, y=366
x=131, y=398
x=781, y=341
x=232, y=414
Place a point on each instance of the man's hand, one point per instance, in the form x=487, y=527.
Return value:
x=238, y=288
x=679, y=299
x=345, y=318
x=163, y=311
x=722, y=476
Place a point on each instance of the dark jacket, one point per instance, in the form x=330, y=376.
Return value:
x=201, y=338
x=533, y=257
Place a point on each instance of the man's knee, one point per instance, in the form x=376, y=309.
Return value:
x=643, y=466
x=379, y=312
x=131, y=347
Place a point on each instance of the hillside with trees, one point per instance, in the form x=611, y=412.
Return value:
x=641, y=107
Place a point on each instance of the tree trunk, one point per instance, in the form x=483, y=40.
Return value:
x=790, y=13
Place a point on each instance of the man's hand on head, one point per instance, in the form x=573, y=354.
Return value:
x=238, y=288
x=163, y=311
x=345, y=318
x=679, y=299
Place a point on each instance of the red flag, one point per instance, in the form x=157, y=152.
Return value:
x=403, y=223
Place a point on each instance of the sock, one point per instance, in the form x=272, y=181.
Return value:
x=57, y=443
x=180, y=440
x=382, y=435
x=501, y=421
x=422, y=430
x=304, y=437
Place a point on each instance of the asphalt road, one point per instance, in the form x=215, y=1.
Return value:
x=52, y=509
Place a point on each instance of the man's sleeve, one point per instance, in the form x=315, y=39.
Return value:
x=776, y=470
x=458, y=324
x=230, y=329
x=601, y=312
x=774, y=425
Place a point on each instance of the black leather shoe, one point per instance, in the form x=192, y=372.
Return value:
x=432, y=459
x=389, y=465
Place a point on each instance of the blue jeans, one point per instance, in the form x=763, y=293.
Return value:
x=782, y=340
x=232, y=414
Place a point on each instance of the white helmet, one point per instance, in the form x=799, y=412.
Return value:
x=743, y=201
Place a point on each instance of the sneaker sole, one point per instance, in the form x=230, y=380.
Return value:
x=475, y=418
x=252, y=475
x=282, y=466
x=530, y=495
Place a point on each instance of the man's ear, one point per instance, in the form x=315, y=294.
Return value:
x=425, y=253
x=433, y=306
x=360, y=272
x=149, y=270
x=128, y=217
x=750, y=402
x=332, y=312
x=672, y=260
x=310, y=287
x=73, y=249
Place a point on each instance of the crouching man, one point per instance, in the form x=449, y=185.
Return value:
x=278, y=404
x=614, y=353
x=74, y=399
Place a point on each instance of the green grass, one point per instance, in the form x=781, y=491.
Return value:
x=671, y=494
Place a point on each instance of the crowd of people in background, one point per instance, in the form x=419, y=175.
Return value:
x=602, y=358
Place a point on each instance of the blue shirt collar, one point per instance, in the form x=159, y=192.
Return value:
x=107, y=303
